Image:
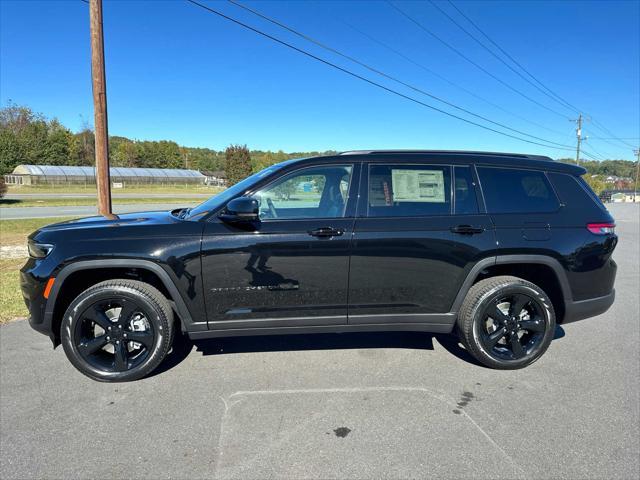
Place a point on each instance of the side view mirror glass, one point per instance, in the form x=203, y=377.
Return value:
x=241, y=209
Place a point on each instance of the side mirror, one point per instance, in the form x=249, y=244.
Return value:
x=241, y=210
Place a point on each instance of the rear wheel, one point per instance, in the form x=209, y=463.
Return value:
x=506, y=322
x=117, y=330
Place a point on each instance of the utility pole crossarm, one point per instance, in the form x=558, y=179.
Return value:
x=99, y=82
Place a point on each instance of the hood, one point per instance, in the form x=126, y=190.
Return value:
x=124, y=220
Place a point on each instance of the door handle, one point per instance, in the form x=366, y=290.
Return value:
x=326, y=232
x=466, y=229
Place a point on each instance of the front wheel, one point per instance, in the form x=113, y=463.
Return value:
x=506, y=322
x=117, y=330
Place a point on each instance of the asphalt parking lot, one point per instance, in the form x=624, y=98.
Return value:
x=394, y=405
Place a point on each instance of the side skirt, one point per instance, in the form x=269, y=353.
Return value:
x=373, y=327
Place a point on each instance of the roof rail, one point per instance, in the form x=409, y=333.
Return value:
x=445, y=152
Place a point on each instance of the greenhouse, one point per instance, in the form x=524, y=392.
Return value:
x=54, y=174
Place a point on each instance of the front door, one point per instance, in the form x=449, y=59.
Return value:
x=418, y=234
x=292, y=269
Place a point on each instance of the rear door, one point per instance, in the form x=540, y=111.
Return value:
x=523, y=206
x=419, y=231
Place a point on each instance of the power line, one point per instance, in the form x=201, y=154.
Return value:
x=616, y=138
x=458, y=52
x=453, y=20
x=504, y=52
x=590, y=155
x=386, y=75
x=360, y=77
x=608, y=132
x=446, y=80
x=558, y=97
x=608, y=140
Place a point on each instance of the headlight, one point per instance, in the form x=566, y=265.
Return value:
x=39, y=250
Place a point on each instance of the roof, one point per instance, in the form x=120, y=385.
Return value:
x=75, y=171
x=455, y=157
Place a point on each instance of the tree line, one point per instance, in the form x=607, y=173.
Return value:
x=27, y=137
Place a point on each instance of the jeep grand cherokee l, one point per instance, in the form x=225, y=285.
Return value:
x=496, y=247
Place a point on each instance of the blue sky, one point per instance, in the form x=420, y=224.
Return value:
x=177, y=72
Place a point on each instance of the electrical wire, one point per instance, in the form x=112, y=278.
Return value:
x=559, y=98
x=360, y=77
x=477, y=65
x=504, y=52
x=608, y=132
x=446, y=80
x=500, y=59
x=386, y=75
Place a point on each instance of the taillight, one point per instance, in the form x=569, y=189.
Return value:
x=601, y=228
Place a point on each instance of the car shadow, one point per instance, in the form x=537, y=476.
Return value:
x=183, y=346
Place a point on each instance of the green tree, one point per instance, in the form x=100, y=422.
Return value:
x=12, y=152
x=83, y=152
x=237, y=163
x=57, y=148
x=596, y=183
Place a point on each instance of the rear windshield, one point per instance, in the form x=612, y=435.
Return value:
x=510, y=190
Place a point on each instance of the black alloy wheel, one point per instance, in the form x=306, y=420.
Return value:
x=513, y=326
x=506, y=322
x=114, y=335
x=117, y=330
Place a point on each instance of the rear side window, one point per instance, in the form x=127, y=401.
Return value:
x=409, y=190
x=466, y=202
x=574, y=192
x=509, y=190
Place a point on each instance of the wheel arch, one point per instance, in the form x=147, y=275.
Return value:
x=64, y=287
x=534, y=268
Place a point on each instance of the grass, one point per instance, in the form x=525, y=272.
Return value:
x=15, y=232
x=11, y=303
x=66, y=202
x=196, y=189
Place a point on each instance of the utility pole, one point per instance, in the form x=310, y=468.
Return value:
x=635, y=188
x=578, y=136
x=99, y=81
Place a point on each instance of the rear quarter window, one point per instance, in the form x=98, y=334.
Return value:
x=508, y=190
x=575, y=193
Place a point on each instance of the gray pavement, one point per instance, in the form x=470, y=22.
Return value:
x=12, y=213
x=92, y=195
x=337, y=406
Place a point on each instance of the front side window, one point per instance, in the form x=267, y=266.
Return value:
x=409, y=190
x=508, y=190
x=315, y=192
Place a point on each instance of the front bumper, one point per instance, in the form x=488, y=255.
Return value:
x=591, y=307
x=32, y=289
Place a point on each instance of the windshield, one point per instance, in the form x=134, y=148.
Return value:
x=223, y=197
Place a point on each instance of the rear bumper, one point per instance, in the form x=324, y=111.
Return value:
x=582, y=309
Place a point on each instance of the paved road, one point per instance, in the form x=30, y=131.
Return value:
x=29, y=196
x=85, y=211
x=337, y=406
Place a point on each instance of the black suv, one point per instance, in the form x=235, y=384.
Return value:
x=498, y=247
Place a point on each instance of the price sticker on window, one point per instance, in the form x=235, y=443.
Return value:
x=418, y=185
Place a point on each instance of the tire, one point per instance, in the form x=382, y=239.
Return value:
x=491, y=329
x=111, y=345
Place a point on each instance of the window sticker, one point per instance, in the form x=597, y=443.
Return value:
x=418, y=185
